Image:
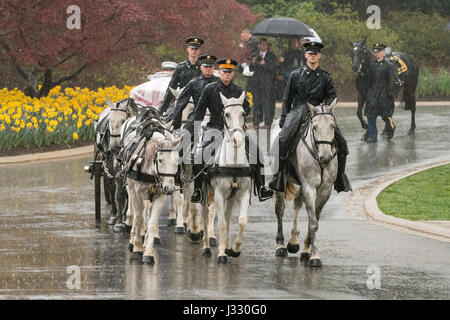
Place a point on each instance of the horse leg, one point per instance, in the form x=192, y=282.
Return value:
x=293, y=245
x=361, y=100
x=137, y=223
x=219, y=200
x=211, y=218
x=206, y=248
x=305, y=255
x=172, y=211
x=152, y=229
x=129, y=220
x=310, y=195
x=112, y=195
x=412, y=129
x=280, y=205
x=194, y=225
x=120, y=200
x=178, y=206
x=244, y=202
x=228, y=212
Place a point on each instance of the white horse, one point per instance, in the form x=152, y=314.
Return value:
x=315, y=164
x=232, y=184
x=120, y=111
x=158, y=164
x=190, y=217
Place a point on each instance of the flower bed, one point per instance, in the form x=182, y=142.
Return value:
x=63, y=117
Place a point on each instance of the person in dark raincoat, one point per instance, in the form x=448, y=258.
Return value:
x=261, y=84
x=194, y=88
x=380, y=95
x=314, y=85
x=184, y=71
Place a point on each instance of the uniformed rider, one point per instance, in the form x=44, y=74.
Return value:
x=307, y=84
x=194, y=88
x=210, y=99
x=184, y=71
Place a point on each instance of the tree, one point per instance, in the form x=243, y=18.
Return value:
x=35, y=39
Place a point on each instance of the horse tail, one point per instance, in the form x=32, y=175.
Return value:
x=291, y=191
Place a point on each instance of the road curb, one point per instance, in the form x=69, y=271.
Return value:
x=397, y=104
x=417, y=227
x=48, y=156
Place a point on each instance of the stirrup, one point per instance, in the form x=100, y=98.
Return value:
x=264, y=193
x=194, y=198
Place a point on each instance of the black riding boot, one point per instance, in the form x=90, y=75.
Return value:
x=197, y=195
x=342, y=183
x=277, y=182
x=263, y=192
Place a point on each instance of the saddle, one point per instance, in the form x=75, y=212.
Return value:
x=148, y=121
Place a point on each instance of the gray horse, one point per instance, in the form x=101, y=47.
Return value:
x=314, y=165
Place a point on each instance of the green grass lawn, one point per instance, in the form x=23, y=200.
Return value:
x=422, y=196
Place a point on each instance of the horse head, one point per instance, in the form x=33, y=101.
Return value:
x=322, y=127
x=166, y=164
x=234, y=118
x=359, y=55
x=120, y=111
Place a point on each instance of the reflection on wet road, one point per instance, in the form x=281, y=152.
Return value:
x=47, y=224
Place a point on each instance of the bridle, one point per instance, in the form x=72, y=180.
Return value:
x=362, y=62
x=229, y=131
x=315, y=143
x=159, y=174
x=116, y=109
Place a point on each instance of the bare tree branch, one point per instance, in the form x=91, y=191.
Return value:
x=72, y=76
x=13, y=60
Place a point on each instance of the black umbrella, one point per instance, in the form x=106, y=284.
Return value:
x=282, y=27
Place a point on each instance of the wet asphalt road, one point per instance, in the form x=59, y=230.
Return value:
x=47, y=224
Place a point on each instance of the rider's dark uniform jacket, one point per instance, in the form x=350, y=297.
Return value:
x=193, y=89
x=182, y=74
x=306, y=85
x=210, y=99
x=380, y=96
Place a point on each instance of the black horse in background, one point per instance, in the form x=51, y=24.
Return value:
x=362, y=56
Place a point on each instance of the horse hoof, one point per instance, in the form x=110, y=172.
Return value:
x=148, y=260
x=119, y=227
x=411, y=133
x=130, y=247
x=212, y=242
x=222, y=260
x=232, y=253
x=195, y=237
x=127, y=229
x=156, y=240
x=180, y=230
x=281, y=252
x=293, y=248
x=172, y=222
x=315, y=263
x=304, y=257
x=136, y=256
x=206, y=252
x=112, y=221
